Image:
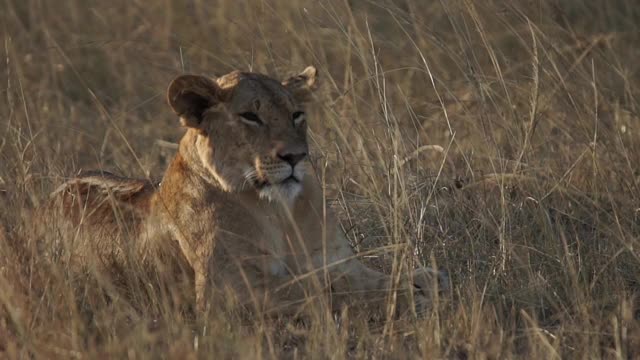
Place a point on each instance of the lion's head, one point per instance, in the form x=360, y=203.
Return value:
x=252, y=132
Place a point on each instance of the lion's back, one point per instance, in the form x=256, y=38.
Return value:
x=96, y=216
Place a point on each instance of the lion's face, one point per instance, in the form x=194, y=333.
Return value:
x=251, y=129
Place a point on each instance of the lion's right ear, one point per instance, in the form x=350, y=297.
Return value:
x=190, y=96
x=302, y=85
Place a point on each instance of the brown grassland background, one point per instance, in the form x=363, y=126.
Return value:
x=499, y=140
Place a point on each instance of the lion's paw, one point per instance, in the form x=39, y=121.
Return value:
x=425, y=282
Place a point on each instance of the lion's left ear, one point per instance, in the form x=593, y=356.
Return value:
x=302, y=85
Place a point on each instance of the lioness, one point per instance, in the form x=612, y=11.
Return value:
x=237, y=203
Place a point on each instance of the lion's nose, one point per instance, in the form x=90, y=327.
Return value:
x=291, y=158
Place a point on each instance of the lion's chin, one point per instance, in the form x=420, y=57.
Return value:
x=286, y=191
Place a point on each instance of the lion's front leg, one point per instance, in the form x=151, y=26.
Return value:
x=198, y=251
x=353, y=281
x=202, y=286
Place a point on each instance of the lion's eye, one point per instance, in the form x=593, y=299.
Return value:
x=251, y=118
x=298, y=118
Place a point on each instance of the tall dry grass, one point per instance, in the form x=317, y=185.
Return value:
x=499, y=139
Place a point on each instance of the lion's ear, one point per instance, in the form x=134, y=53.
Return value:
x=190, y=96
x=302, y=85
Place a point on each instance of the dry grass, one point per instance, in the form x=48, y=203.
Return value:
x=499, y=138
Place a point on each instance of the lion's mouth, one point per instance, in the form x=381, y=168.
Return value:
x=291, y=179
x=261, y=184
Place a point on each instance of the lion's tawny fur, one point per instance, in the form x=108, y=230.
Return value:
x=238, y=202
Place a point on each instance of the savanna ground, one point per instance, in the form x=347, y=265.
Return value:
x=496, y=139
